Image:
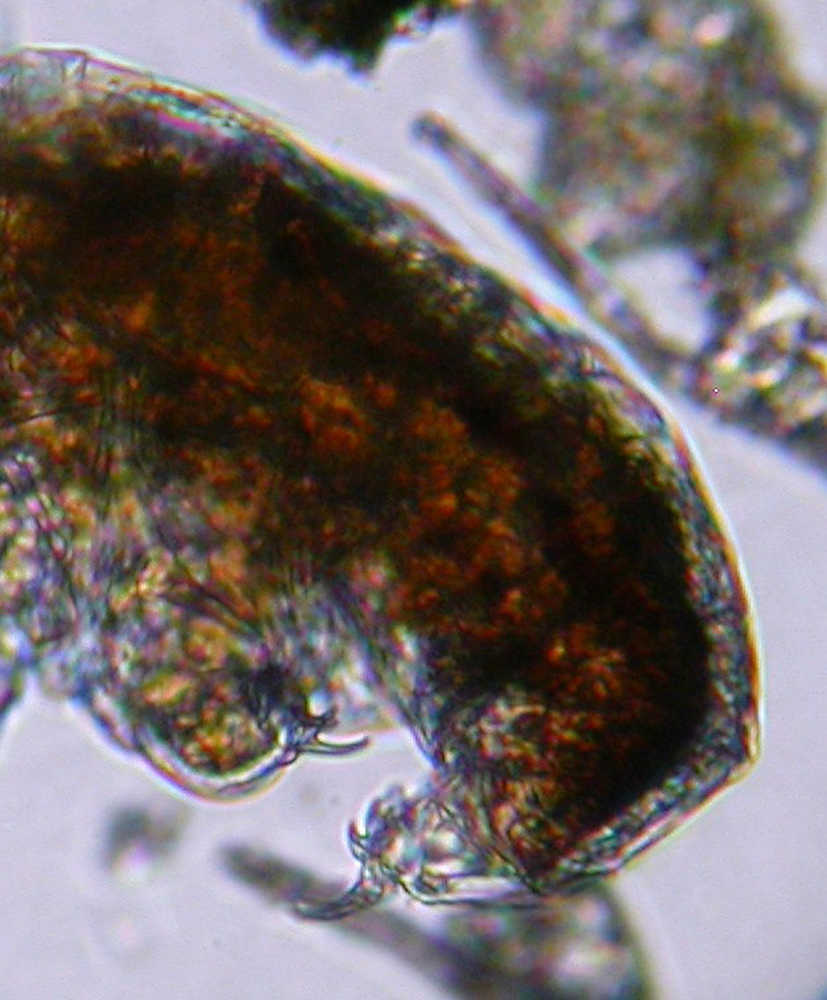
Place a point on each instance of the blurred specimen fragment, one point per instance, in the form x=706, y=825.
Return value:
x=355, y=29
x=139, y=838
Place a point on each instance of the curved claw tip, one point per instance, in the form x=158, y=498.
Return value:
x=360, y=896
x=321, y=746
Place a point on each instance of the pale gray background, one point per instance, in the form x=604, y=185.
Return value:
x=733, y=907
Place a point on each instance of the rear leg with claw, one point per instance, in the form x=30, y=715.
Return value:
x=410, y=841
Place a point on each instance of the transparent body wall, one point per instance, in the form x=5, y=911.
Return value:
x=236, y=525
